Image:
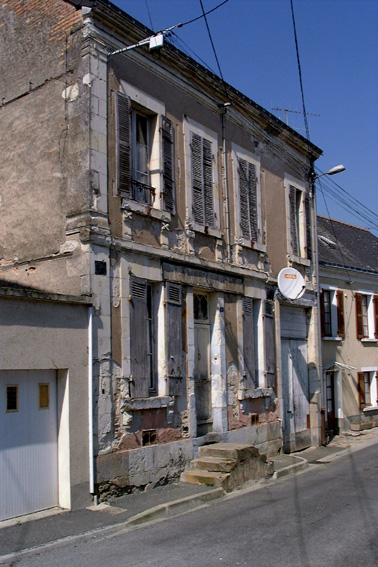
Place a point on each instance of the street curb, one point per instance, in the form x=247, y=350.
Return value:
x=175, y=507
x=285, y=471
x=343, y=452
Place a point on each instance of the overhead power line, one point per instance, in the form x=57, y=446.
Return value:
x=300, y=72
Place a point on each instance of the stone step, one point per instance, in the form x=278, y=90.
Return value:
x=231, y=451
x=214, y=464
x=208, y=478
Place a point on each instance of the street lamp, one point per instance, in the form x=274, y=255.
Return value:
x=332, y=171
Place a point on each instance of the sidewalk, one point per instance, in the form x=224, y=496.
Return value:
x=50, y=526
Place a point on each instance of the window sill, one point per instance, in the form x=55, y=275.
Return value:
x=156, y=402
x=367, y=340
x=255, y=393
x=145, y=210
x=251, y=245
x=299, y=260
x=209, y=230
x=370, y=408
x=332, y=339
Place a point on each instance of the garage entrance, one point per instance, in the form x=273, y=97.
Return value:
x=28, y=442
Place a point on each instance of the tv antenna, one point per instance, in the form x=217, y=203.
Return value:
x=286, y=110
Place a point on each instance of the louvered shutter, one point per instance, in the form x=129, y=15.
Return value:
x=139, y=338
x=375, y=303
x=359, y=317
x=248, y=344
x=123, y=113
x=308, y=227
x=270, y=344
x=293, y=220
x=208, y=182
x=168, y=165
x=197, y=179
x=361, y=389
x=340, y=314
x=175, y=353
x=322, y=313
x=243, y=190
x=252, y=201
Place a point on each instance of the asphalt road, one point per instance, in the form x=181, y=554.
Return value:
x=325, y=516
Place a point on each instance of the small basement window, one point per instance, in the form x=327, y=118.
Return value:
x=44, y=396
x=12, y=398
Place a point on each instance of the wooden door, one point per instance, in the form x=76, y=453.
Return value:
x=202, y=378
x=330, y=400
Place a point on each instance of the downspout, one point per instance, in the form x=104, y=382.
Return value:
x=225, y=179
x=317, y=290
x=90, y=404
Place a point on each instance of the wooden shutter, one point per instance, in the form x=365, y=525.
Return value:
x=252, y=201
x=293, y=220
x=308, y=227
x=270, y=344
x=168, y=165
x=375, y=303
x=175, y=352
x=197, y=179
x=243, y=190
x=249, y=375
x=361, y=389
x=138, y=338
x=123, y=113
x=340, y=314
x=208, y=182
x=322, y=313
x=359, y=317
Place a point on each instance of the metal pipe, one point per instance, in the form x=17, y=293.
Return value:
x=225, y=182
x=90, y=400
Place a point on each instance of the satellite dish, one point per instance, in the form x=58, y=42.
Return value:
x=291, y=283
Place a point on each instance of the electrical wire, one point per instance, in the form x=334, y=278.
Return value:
x=300, y=72
x=205, y=14
x=149, y=14
x=211, y=41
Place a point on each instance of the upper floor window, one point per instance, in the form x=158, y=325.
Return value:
x=332, y=313
x=246, y=174
x=366, y=316
x=145, y=152
x=201, y=174
x=299, y=220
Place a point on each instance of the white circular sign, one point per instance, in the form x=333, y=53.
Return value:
x=291, y=283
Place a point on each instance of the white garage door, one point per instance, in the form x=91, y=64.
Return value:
x=28, y=442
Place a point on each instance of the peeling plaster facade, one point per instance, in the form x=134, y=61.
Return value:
x=186, y=328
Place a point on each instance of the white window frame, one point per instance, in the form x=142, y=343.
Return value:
x=192, y=127
x=240, y=153
x=370, y=317
x=154, y=110
x=334, y=324
x=372, y=371
x=300, y=186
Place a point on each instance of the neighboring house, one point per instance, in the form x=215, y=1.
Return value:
x=348, y=275
x=142, y=184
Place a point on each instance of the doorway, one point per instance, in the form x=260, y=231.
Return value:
x=202, y=371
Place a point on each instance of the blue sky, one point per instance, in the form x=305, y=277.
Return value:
x=338, y=47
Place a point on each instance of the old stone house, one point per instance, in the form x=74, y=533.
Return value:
x=348, y=270
x=159, y=203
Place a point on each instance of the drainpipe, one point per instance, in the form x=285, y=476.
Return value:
x=225, y=178
x=317, y=288
x=90, y=404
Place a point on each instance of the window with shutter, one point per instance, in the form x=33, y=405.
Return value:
x=359, y=316
x=168, y=165
x=136, y=136
x=294, y=221
x=364, y=383
x=340, y=314
x=202, y=180
x=248, y=200
x=249, y=374
x=142, y=339
x=308, y=227
x=175, y=350
x=322, y=313
x=375, y=303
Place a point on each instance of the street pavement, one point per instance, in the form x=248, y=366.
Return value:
x=27, y=534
